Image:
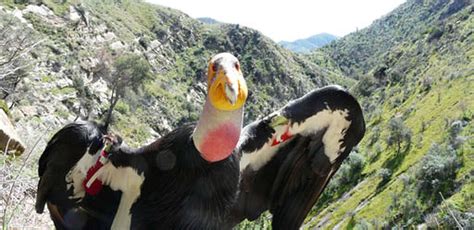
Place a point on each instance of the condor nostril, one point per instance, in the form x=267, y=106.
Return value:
x=230, y=87
x=231, y=93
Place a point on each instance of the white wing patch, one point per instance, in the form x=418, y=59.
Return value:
x=334, y=121
x=79, y=172
x=125, y=179
x=260, y=157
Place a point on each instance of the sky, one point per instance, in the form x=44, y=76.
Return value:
x=289, y=19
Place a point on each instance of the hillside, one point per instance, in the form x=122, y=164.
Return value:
x=309, y=44
x=65, y=73
x=415, y=165
x=358, y=52
x=176, y=47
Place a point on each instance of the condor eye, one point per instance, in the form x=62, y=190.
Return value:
x=214, y=67
x=237, y=66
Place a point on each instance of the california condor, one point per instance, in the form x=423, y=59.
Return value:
x=209, y=175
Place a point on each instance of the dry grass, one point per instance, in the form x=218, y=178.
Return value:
x=18, y=182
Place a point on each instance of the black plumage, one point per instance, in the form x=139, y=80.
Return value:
x=186, y=191
x=62, y=152
x=292, y=181
x=181, y=190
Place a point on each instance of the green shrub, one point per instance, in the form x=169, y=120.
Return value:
x=261, y=223
x=375, y=136
x=437, y=173
x=122, y=107
x=454, y=130
x=361, y=224
x=4, y=107
x=351, y=170
x=452, y=218
x=345, y=178
x=435, y=33
x=385, y=174
x=399, y=134
x=404, y=210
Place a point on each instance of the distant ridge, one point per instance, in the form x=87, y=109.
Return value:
x=306, y=45
x=207, y=20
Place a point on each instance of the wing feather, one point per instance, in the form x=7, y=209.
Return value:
x=62, y=152
x=287, y=179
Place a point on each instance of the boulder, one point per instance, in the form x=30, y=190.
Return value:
x=73, y=16
x=9, y=136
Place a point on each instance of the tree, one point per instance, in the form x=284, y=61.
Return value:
x=398, y=134
x=128, y=72
x=84, y=95
x=437, y=174
x=16, y=42
x=348, y=175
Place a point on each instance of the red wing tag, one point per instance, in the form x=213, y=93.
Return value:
x=285, y=136
x=91, y=184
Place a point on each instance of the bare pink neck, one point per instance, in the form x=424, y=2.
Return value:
x=217, y=132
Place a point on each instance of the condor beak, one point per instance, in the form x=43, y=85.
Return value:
x=227, y=89
x=232, y=91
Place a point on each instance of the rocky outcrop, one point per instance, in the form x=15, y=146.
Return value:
x=9, y=139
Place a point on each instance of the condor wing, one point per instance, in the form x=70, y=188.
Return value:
x=288, y=157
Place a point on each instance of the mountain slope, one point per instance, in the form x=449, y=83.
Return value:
x=359, y=51
x=415, y=165
x=306, y=45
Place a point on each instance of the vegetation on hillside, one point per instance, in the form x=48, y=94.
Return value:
x=16, y=42
x=416, y=89
x=416, y=21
